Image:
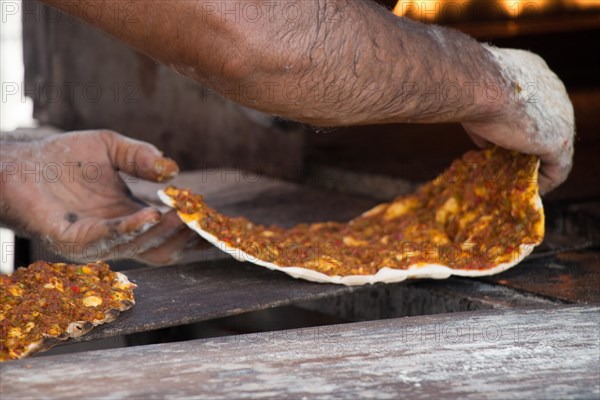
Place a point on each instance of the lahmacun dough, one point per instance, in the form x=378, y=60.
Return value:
x=47, y=303
x=481, y=216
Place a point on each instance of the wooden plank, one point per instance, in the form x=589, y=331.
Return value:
x=546, y=353
x=171, y=296
x=183, y=294
x=177, y=295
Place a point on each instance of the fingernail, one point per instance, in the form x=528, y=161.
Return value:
x=165, y=168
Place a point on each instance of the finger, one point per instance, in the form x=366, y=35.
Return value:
x=169, y=225
x=550, y=176
x=124, y=229
x=98, y=238
x=172, y=250
x=138, y=158
x=554, y=169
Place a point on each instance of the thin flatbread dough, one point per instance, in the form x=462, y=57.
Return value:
x=480, y=217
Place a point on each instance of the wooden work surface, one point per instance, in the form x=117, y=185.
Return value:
x=177, y=295
x=183, y=294
x=548, y=353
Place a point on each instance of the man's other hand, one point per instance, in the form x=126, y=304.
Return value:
x=66, y=191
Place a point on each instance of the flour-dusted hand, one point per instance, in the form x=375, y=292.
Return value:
x=66, y=191
x=537, y=117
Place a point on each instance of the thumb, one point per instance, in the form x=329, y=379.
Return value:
x=139, y=159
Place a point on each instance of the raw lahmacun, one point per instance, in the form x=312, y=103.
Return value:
x=481, y=216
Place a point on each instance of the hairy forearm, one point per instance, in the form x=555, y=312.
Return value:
x=324, y=62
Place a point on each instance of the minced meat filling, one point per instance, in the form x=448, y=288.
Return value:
x=476, y=215
x=45, y=298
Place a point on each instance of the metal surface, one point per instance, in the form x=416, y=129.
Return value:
x=572, y=277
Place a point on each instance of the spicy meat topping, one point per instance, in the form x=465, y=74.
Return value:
x=43, y=299
x=478, y=214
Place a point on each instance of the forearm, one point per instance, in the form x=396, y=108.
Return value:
x=337, y=63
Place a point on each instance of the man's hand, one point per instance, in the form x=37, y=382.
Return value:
x=537, y=118
x=65, y=190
